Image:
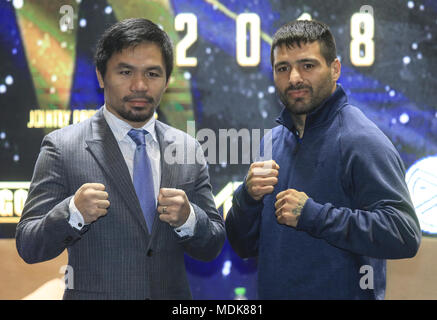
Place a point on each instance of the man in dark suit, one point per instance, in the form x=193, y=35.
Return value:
x=109, y=190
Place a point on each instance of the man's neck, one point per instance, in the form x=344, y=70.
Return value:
x=299, y=123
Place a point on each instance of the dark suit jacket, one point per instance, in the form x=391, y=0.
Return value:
x=115, y=257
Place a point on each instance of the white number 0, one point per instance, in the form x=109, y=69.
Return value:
x=254, y=22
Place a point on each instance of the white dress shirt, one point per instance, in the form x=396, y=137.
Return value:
x=127, y=146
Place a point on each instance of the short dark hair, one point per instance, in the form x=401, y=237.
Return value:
x=304, y=31
x=132, y=32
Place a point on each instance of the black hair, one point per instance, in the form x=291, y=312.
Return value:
x=304, y=31
x=129, y=33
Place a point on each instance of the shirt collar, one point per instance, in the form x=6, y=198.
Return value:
x=120, y=128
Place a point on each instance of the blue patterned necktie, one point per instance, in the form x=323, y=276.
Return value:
x=143, y=177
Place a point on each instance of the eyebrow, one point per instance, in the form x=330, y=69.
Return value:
x=124, y=65
x=315, y=61
x=281, y=63
x=305, y=60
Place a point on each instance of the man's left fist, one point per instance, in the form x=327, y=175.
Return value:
x=173, y=206
x=288, y=205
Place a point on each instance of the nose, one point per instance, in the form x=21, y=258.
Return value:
x=139, y=83
x=295, y=76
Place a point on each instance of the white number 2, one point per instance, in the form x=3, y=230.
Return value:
x=181, y=48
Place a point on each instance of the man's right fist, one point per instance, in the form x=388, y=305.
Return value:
x=261, y=178
x=92, y=201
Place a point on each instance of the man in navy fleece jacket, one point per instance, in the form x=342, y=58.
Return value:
x=332, y=204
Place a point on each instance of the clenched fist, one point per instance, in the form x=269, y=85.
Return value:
x=262, y=178
x=289, y=204
x=173, y=206
x=91, y=200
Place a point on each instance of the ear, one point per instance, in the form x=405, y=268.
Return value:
x=167, y=83
x=335, y=69
x=100, y=79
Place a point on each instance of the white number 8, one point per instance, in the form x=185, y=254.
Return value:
x=362, y=21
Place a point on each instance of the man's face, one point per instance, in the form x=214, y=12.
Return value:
x=134, y=82
x=302, y=77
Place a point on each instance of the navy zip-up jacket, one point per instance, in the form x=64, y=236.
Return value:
x=359, y=212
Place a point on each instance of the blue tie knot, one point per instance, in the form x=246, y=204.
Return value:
x=138, y=136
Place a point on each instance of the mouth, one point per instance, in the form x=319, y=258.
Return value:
x=139, y=102
x=298, y=93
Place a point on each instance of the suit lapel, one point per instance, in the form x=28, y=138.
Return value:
x=106, y=151
x=167, y=148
